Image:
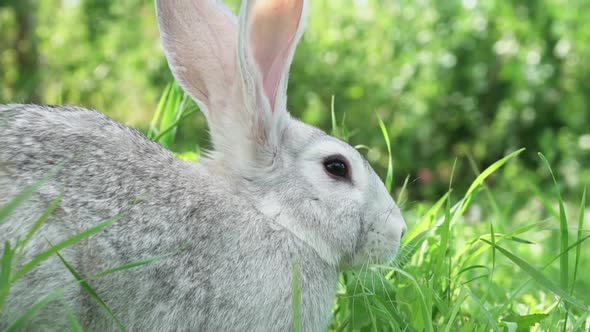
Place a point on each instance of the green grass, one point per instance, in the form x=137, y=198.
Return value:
x=495, y=257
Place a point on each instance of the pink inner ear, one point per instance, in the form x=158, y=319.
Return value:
x=273, y=29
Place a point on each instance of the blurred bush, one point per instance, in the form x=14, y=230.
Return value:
x=450, y=78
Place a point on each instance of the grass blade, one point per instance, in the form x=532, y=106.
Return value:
x=174, y=124
x=444, y=230
x=484, y=175
x=91, y=291
x=537, y=275
x=523, y=285
x=39, y=223
x=426, y=312
x=5, y=274
x=491, y=169
x=483, y=308
x=580, y=233
x=403, y=197
x=21, y=321
x=153, y=131
x=19, y=199
x=66, y=243
x=455, y=310
x=345, y=133
x=74, y=323
x=563, y=231
x=389, y=176
x=171, y=113
x=139, y=262
x=335, y=132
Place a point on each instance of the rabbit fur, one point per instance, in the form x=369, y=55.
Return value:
x=257, y=205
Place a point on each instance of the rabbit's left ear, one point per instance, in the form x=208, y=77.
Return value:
x=269, y=33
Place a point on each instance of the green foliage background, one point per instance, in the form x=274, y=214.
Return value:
x=449, y=78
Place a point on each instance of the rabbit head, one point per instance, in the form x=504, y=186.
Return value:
x=316, y=186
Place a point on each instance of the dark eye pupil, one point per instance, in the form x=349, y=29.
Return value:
x=336, y=168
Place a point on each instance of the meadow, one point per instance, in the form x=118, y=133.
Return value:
x=474, y=114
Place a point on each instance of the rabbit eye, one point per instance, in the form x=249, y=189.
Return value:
x=336, y=166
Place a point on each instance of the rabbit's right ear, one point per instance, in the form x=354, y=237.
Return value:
x=199, y=39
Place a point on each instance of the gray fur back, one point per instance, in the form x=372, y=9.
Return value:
x=236, y=261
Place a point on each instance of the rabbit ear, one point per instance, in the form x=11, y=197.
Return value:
x=237, y=74
x=270, y=30
x=199, y=39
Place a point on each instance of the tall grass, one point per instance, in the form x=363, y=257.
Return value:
x=456, y=271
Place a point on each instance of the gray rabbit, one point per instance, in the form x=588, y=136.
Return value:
x=273, y=191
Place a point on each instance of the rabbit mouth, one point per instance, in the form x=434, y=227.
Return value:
x=374, y=246
x=374, y=252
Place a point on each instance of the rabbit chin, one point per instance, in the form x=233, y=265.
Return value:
x=371, y=255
